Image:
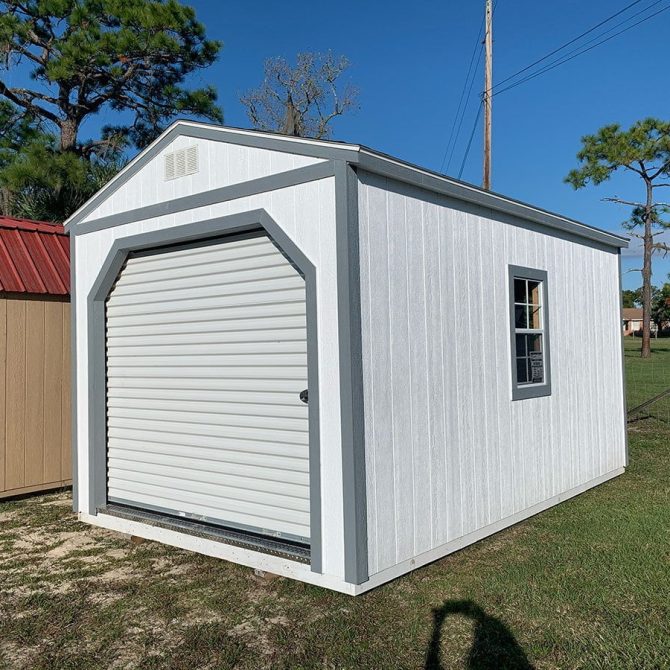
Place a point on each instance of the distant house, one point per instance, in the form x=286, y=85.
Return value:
x=632, y=320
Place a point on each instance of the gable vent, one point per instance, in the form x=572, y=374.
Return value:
x=181, y=163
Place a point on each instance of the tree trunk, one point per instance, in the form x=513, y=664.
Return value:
x=291, y=119
x=646, y=274
x=5, y=201
x=68, y=134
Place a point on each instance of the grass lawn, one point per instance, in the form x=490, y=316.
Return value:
x=646, y=378
x=583, y=585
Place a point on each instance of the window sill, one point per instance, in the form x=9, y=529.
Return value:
x=531, y=391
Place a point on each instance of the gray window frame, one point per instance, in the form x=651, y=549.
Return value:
x=525, y=391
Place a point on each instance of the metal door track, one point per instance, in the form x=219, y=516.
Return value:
x=281, y=548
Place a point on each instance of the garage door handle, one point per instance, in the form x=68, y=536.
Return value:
x=304, y=396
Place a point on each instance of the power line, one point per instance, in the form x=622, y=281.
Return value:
x=460, y=101
x=472, y=134
x=572, y=41
x=577, y=53
x=465, y=108
x=461, y=111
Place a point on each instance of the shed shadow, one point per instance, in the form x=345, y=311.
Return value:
x=493, y=646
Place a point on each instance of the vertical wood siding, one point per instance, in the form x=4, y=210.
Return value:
x=447, y=450
x=34, y=395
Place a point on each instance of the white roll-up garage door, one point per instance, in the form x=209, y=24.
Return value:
x=206, y=360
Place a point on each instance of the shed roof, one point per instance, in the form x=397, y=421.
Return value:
x=34, y=257
x=361, y=157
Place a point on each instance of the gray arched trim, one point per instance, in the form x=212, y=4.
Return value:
x=235, y=224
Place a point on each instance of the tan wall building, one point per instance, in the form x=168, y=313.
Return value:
x=35, y=425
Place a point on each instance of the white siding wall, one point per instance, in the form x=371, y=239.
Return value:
x=307, y=214
x=447, y=451
x=220, y=164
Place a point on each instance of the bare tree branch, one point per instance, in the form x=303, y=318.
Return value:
x=302, y=99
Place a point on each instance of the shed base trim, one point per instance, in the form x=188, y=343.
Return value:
x=36, y=488
x=444, y=550
x=242, y=556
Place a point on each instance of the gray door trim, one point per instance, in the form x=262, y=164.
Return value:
x=228, y=225
x=351, y=375
x=215, y=196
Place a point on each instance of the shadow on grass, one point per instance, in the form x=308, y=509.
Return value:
x=493, y=645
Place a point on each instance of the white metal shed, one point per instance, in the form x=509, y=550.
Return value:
x=317, y=360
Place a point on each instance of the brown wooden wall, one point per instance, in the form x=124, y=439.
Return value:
x=35, y=451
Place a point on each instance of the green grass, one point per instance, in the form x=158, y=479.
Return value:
x=583, y=585
x=646, y=378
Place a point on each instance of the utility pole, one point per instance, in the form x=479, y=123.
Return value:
x=488, y=83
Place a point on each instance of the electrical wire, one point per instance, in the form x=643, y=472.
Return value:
x=577, y=52
x=462, y=109
x=472, y=134
x=478, y=44
x=465, y=108
x=572, y=41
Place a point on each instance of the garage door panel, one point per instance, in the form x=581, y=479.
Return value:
x=205, y=328
x=206, y=358
x=279, y=521
x=297, y=346
x=181, y=384
x=259, y=374
x=233, y=269
x=273, y=479
x=213, y=282
x=233, y=431
x=171, y=395
x=194, y=255
x=264, y=360
x=223, y=287
x=290, y=294
x=236, y=419
x=286, y=410
x=130, y=445
x=293, y=308
x=252, y=246
x=242, y=489
x=236, y=340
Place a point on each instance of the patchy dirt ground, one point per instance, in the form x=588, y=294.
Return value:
x=74, y=596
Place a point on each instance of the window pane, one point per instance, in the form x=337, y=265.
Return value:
x=522, y=371
x=535, y=318
x=520, y=316
x=534, y=342
x=521, y=349
x=536, y=367
x=534, y=292
x=520, y=290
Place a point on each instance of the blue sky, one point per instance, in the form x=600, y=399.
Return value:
x=409, y=61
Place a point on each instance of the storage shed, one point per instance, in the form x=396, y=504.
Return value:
x=35, y=451
x=317, y=360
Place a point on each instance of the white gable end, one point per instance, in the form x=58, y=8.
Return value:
x=207, y=164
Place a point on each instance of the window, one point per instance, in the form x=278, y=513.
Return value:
x=529, y=331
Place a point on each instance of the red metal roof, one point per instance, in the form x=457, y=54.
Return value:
x=34, y=257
